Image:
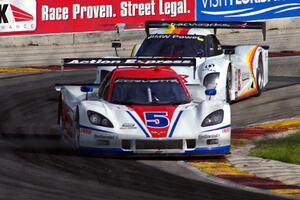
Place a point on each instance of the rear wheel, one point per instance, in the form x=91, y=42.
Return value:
x=260, y=76
x=228, y=84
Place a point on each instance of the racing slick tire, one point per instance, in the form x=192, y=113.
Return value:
x=76, y=132
x=228, y=84
x=260, y=76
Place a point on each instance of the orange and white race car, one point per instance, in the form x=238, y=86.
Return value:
x=235, y=71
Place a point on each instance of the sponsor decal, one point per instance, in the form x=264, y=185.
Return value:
x=201, y=137
x=85, y=131
x=126, y=9
x=104, y=137
x=158, y=132
x=173, y=8
x=128, y=62
x=197, y=24
x=245, y=76
x=246, y=10
x=180, y=37
x=226, y=130
x=121, y=80
x=128, y=126
x=209, y=68
x=17, y=16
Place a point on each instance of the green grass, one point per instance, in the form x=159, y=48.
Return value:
x=284, y=149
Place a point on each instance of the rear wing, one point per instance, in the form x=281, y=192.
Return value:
x=105, y=65
x=128, y=62
x=211, y=25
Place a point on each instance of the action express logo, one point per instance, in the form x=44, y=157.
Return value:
x=17, y=15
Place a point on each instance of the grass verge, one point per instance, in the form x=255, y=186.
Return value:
x=283, y=149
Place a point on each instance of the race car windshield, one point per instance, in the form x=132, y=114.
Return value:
x=172, y=46
x=148, y=92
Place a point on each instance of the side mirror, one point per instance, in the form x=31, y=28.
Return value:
x=86, y=89
x=229, y=51
x=211, y=92
x=116, y=44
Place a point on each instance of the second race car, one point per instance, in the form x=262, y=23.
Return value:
x=235, y=71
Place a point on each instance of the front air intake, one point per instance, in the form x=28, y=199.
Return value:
x=159, y=144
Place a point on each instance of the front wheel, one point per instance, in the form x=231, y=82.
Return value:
x=76, y=132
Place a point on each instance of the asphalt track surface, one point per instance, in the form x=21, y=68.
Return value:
x=33, y=166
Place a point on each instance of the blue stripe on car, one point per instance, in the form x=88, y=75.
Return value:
x=227, y=126
x=197, y=151
x=175, y=124
x=209, y=150
x=141, y=127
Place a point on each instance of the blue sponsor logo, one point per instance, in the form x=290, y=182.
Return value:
x=246, y=10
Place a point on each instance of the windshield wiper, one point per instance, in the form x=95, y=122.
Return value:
x=124, y=102
x=179, y=102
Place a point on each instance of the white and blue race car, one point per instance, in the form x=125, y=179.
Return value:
x=143, y=107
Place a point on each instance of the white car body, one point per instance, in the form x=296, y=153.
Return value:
x=131, y=134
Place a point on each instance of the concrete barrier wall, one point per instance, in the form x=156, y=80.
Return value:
x=284, y=23
x=45, y=50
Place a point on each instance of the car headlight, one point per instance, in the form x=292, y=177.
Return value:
x=99, y=120
x=213, y=118
x=210, y=80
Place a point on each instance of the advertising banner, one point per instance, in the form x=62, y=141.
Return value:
x=30, y=17
x=246, y=10
x=14, y=19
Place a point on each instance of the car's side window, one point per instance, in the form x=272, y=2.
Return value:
x=217, y=46
x=213, y=46
x=210, y=47
x=103, y=90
